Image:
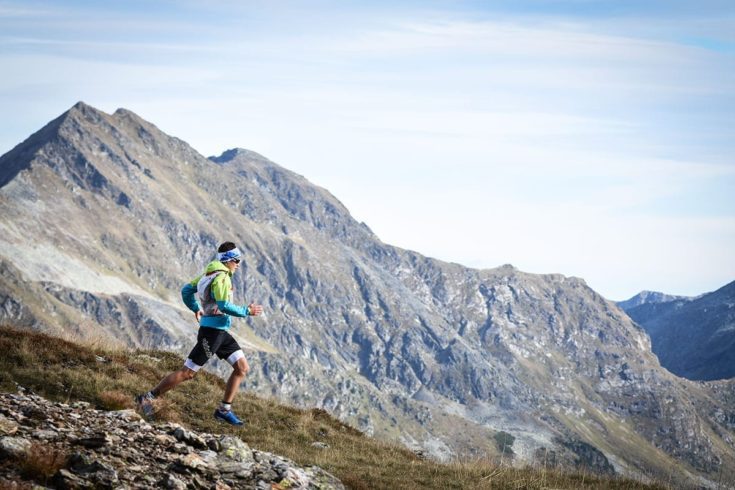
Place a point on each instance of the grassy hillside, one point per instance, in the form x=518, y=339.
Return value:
x=109, y=377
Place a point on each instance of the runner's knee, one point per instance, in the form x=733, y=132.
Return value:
x=241, y=367
x=188, y=373
x=239, y=363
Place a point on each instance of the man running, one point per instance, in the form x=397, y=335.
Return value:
x=209, y=296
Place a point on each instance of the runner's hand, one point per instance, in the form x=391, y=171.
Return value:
x=254, y=309
x=198, y=315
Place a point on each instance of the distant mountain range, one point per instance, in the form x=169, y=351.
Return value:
x=105, y=217
x=650, y=297
x=692, y=337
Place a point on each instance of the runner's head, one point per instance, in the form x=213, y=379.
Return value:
x=230, y=255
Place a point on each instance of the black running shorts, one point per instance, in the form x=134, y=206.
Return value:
x=211, y=341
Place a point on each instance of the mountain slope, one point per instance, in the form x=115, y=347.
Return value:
x=693, y=338
x=106, y=216
x=91, y=423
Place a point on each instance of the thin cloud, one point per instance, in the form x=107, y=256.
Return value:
x=11, y=41
x=15, y=11
x=510, y=39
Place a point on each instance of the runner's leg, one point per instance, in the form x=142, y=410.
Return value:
x=198, y=357
x=239, y=370
x=230, y=350
x=173, y=380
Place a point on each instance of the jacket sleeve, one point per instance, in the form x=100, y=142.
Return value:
x=189, y=295
x=221, y=287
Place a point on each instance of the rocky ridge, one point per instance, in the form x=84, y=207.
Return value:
x=75, y=446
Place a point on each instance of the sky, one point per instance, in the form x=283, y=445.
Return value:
x=589, y=138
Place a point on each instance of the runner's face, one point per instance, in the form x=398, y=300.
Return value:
x=233, y=265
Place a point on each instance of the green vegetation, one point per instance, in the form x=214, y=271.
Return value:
x=108, y=378
x=504, y=443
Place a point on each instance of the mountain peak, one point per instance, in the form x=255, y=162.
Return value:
x=82, y=106
x=123, y=114
x=91, y=149
x=20, y=157
x=86, y=111
x=646, y=297
x=228, y=156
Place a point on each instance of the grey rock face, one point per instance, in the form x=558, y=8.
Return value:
x=120, y=450
x=589, y=457
x=399, y=345
x=15, y=447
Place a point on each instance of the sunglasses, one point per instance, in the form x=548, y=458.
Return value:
x=237, y=261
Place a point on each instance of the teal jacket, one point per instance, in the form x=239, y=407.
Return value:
x=218, y=307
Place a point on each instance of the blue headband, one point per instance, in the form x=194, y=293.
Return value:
x=229, y=255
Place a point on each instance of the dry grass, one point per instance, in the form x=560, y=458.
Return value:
x=65, y=371
x=12, y=485
x=115, y=400
x=42, y=462
x=167, y=411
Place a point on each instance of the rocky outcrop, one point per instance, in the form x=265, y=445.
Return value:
x=75, y=446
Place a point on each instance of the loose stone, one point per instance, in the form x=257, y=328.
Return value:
x=110, y=450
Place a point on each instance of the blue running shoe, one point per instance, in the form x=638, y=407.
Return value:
x=228, y=417
x=145, y=404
